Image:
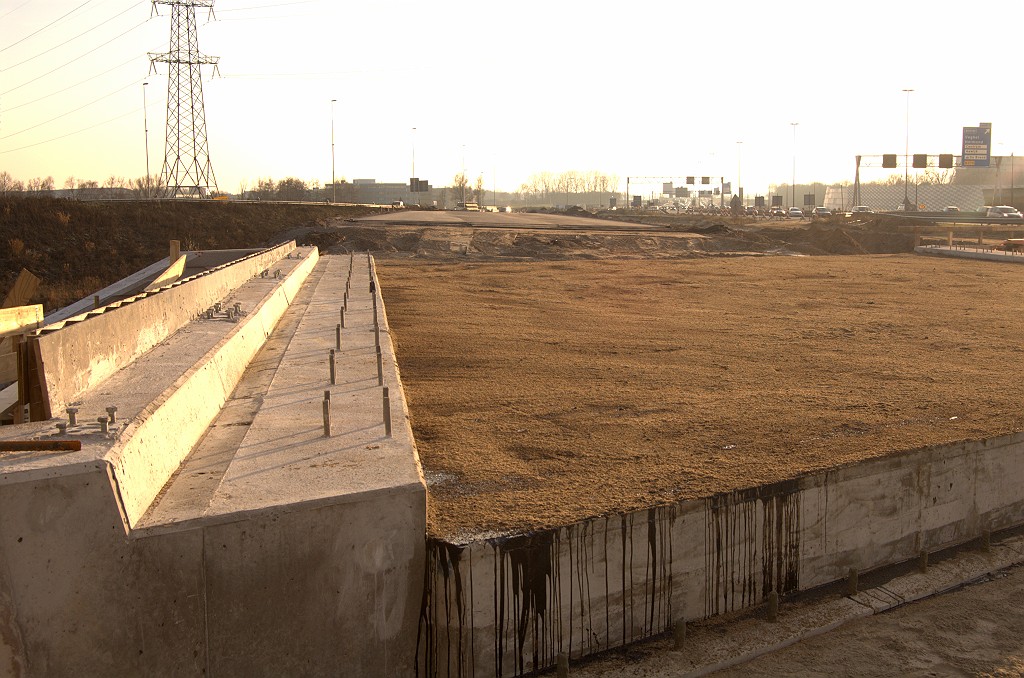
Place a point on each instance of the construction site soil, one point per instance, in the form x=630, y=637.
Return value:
x=543, y=393
x=559, y=374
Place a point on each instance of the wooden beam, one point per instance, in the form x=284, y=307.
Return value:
x=24, y=287
x=40, y=445
x=20, y=319
x=8, y=363
x=170, y=275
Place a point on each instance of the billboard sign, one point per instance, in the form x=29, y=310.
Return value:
x=977, y=146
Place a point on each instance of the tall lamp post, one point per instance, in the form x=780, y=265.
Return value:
x=739, y=171
x=792, y=190
x=145, y=125
x=906, y=156
x=413, y=175
x=334, y=184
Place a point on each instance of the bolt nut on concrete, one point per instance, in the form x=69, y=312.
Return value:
x=333, y=370
x=387, y=412
x=72, y=416
x=103, y=421
x=679, y=634
x=112, y=413
x=380, y=368
x=62, y=427
x=337, y=336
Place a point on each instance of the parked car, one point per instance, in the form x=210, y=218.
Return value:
x=778, y=212
x=1004, y=212
x=950, y=208
x=821, y=212
x=796, y=212
x=862, y=209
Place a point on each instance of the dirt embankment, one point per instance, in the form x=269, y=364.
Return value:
x=698, y=239
x=78, y=247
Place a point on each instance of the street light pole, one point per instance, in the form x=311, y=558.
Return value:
x=463, y=174
x=739, y=171
x=792, y=190
x=906, y=155
x=413, y=175
x=334, y=183
x=145, y=124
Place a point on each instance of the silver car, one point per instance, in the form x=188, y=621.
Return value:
x=1004, y=212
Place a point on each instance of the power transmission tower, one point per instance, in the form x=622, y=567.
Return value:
x=187, y=171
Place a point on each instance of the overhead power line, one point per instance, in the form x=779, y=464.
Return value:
x=15, y=9
x=79, y=131
x=68, y=63
x=69, y=40
x=75, y=110
x=80, y=82
x=279, y=4
x=40, y=30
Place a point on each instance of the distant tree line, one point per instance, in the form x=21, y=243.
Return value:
x=113, y=187
x=289, y=189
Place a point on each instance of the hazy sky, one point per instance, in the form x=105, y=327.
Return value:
x=639, y=88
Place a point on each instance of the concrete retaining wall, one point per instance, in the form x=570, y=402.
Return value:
x=307, y=590
x=82, y=354
x=159, y=439
x=505, y=607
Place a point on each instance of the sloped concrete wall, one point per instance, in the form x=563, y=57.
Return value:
x=82, y=354
x=505, y=607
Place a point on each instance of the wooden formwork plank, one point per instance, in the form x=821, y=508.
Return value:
x=8, y=363
x=171, y=274
x=19, y=405
x=24, y=287
x=19, y=319
x=38, y=398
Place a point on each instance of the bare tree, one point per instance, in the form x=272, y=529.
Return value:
x=460, y=184
x=9, y=184
x=937, y=176
x=88, y=189
x=71, y=186
x=148, y=188
x=478, y=192
x=292, y=189
x=243, y=186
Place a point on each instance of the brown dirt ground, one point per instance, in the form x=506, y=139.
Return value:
x=543, y=393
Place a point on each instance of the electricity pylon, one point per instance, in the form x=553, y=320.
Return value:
x=187, y=171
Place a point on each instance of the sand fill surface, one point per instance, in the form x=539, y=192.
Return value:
x=542, y=393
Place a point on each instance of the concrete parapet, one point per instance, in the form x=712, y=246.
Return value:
x=155, y=443
x=82, y=354
x=508, y=606
x=964, y=252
